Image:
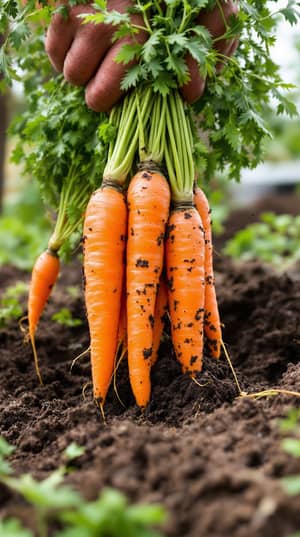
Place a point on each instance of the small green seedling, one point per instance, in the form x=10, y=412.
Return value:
x=74, y=291
x=291, y=445
x=10, y=305
x=274, y=240
x=13, y=528
x=109, y=515
x=64, y=317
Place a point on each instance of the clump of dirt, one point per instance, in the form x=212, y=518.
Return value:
x=212, y=458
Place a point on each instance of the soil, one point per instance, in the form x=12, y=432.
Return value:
x=213, y=459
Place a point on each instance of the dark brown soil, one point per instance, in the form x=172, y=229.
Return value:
x=213, y=459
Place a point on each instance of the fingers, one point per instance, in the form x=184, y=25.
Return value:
x=76, y=49
x=214, y=21
x=85, y=53
x=193, y=90
x=58, y=40
x=104, y=90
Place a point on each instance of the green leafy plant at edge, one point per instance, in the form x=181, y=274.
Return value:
x=274, y=240
x=291, y=445
x=65, y=318
x=109, y=515
x=10, y=305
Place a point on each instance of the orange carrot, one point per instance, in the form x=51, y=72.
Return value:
x=122, y=328
x=104, y=237
x=186, y=285
x=44, y=275
x=148, y=205
x=161, y=311
x=212, y=325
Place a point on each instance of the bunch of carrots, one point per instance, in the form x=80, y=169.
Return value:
x=147, y=249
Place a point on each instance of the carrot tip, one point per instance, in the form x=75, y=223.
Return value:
x=36, y=362
x=99, y=403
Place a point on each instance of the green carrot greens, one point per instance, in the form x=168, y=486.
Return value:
x=59, y=145
x=230, y=115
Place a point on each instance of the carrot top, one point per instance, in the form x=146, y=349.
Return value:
x=179, y=149
x=66, y=163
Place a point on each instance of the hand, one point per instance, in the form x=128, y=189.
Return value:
x=85, y=54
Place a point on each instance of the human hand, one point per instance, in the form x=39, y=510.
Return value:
x=85, y=53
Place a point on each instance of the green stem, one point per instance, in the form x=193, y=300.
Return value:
x=117, y=168
x=158, y=8
x=222, y=15
x=186, y=145
x=156, y=139
x=141, y=129
x=145, y=18
x=126, y=143
x=176, y=171
x=178, y=135
x=183, y=20
x=176, y=193
x=179, y=150
x=41, y=524
x=71, y=196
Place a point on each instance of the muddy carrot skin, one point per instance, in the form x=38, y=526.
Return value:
x=148, y=206
x=212, y=325
x=104, y=237
x=186, y=286
x=122, y=328
x=161, y=312
x=43, y=277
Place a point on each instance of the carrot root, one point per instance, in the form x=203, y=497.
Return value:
x=186, y=286
x=148, y=204
x=212, y=324
x=104, y=237
x=44, y=275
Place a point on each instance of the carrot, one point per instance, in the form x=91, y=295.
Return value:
x=186, y=285
x=148, y=205
x=43, y=277
x=161, y=311
x=212, y=325
x=104, y=237
x=122, y=328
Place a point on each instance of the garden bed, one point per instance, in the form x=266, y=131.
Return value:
x=212, y=459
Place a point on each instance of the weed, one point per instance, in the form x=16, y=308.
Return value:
x=109, y=515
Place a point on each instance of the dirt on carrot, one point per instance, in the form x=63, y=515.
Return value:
x=213, y=460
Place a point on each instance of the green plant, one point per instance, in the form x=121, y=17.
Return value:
x=233, y=109
x=274, y=240
x=13, y=528
x=24, y=228
x=64, y=317
x=218, y=195
x=109, y=515
x=74, y=291
x=291, y=445
x=10, y=305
